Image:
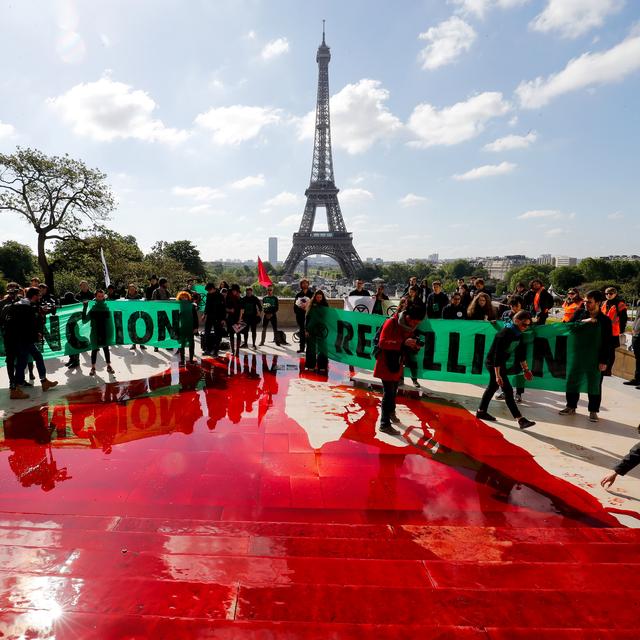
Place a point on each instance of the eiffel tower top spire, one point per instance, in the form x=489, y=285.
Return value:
x=322, y=166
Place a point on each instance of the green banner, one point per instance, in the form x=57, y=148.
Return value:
x=561, y=356
x=167, y=324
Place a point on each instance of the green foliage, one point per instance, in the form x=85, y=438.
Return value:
x=17, y=261
x=185, y=253
x=459, y=269
x=596, y=269
x=58, y=196
x=369, y=272
x=563, y=278
x=528, y=273
x=3, y=286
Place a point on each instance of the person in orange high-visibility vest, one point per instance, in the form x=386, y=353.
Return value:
x=571, y=304
x=614, y=307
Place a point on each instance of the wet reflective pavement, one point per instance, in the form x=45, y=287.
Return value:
x=246, y=498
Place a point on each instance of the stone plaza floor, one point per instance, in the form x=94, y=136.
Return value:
x=245, y=498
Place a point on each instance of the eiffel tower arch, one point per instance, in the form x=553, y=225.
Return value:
x=337, y=242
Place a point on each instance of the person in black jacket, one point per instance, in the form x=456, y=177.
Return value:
x=454, y=310
x=101, y=329
x=300, y=309
x=251, y=311
x=10, y=347
x=153, y=285
x=496, y=362
x=437, y=300
x=24, y=328
x=606, y=353
x=214, y=315
x=629, y=462
x=233, y=309
x=189, y=326
x=538, y=301
x=360, y=290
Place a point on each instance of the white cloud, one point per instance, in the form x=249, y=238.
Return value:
x=512, y=142
x=359, y=117
x=556, y=231
x=572, y=18
x=283, y=199
x=200, y=194
x=105, y=39
x=616, y=215
x=106, y=110
x=587, y=70
x=354, y=196
x=6, y=130
x=275, y=48
x=411, y=200
x=486, y=171
x=249, y=182
x=251, y=35
x=546, y=214
x=479, y=8
x=238, y=123
x=290, y=221
x=446, y=42
x=452, y=125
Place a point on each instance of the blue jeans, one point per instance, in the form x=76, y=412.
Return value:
x=24, y=351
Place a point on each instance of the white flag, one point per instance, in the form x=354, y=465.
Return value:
x=105, y=269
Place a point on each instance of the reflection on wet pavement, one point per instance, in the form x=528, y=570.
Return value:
x=245, y=490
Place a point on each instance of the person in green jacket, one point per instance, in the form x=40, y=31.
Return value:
x=270, y=306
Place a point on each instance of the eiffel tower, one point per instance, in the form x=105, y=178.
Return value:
x=337, y=242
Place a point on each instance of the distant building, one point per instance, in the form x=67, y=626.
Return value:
x=433, y=258
x=565, y=261
x=498, y=266
x=273, y=251
x=546, y=258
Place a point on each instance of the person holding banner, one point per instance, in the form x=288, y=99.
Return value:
x=506, y=341
x=186, y=336
x=396, y=341
x=591, y=312
x=437, y=300
x=101, y=329
x=315, y=359
x=379, y=297
x=300, y=303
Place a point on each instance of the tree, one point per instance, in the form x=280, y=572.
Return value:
x=528, y=273
x=60, y=197
x=79, y=259
x=184, y=252
x=17, y=261
x=459, y=269
x=563, y=278
x=368, y=272
x=596, y=269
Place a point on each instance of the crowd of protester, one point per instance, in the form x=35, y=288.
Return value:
x=230, y=314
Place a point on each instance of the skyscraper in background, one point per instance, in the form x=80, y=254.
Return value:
x=273, y=251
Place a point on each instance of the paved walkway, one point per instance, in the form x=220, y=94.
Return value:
x=244, y=497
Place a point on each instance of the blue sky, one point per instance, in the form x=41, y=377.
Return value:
x=462, y=127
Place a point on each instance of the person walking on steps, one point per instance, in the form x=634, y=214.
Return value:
x=251, y=310
x=506, y=341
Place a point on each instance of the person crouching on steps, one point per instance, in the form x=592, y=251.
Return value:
x=396, y=341
x=501, y=348
x=101, y=329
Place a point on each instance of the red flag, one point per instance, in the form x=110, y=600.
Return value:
x=263, y=276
